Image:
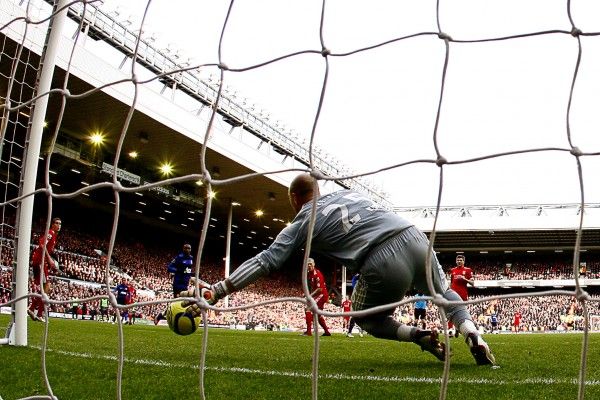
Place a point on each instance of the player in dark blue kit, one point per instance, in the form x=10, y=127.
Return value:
x=352, y=320
x=182, y=268
x=122, y=293
x=494, y=322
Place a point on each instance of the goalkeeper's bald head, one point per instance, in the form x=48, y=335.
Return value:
x=302, y=190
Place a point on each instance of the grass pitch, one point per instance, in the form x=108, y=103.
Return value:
x=82, y=364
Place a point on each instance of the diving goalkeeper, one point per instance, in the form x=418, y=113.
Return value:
x=388, y=251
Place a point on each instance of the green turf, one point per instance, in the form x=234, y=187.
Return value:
x=82, y=364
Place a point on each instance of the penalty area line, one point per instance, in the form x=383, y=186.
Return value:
x=340, y=376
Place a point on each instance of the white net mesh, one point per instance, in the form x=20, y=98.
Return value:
x=26, y=35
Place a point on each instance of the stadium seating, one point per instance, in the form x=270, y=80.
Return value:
x=82, y=270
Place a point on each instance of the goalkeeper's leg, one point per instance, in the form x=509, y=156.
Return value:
x=384, y=326
x=461, y=318
x=383, y=280
x=456, y=313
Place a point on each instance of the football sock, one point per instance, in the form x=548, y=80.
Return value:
x=309, y=320
x=468, y=327
x=323, y=324
x=33, y=305
x=39, y=306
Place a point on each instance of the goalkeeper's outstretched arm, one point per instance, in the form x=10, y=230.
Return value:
x=291, y=238
x=247, y=273
x=250, y=271
x=288, y=240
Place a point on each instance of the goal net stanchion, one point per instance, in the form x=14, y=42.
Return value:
x=18, y=334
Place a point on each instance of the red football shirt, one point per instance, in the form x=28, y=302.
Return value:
x=38, y=253
x=131, y=293
x=316, y=281
x=517, y=320
x=346, y=305
x=460, y=285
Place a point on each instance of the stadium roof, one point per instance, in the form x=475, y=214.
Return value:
x=503, y=227
x=516, y=240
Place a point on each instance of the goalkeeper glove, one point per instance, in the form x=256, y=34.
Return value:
x=56, y=265
x=206, y=293
x=194, y=308
x=213, y=293
x=209, y=295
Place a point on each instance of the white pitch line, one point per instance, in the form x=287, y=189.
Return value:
x=340, y=376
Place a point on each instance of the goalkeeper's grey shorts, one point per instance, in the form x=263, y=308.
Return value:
x=394, y=267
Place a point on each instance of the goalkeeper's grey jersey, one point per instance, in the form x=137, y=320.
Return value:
x=347, y=226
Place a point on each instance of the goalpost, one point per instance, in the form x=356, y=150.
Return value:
x=27, y=113
x=18, y=331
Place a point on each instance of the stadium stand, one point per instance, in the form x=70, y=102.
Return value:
x=82, y=260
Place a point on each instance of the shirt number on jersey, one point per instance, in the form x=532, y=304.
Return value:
x=347, y=222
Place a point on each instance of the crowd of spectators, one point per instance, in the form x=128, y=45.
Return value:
x=83, y=262
x=5, y=284
x=535, y=270
x=538, y=313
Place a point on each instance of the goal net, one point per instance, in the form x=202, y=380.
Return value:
x=52, y=69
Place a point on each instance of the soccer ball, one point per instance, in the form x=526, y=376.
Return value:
x=181, y=322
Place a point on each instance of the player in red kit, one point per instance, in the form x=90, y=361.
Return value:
x=517, y=321
x=316, y=283
x=41, y=259
x=131, y=297
x=460, y=277
x=346, y=307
